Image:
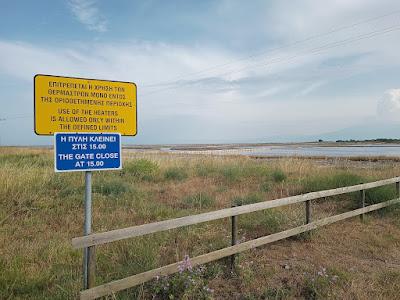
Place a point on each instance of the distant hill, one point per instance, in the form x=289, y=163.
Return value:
x=367, y=131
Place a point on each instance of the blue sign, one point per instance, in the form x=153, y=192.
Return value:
x=87, y=151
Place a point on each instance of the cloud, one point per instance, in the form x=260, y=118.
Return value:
x=388, y=108
x=209, y=95
x=301, y=18
x=88, y=14
x=208, y=89
x=311, y=87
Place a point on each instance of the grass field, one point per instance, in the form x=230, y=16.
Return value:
x=41, y=211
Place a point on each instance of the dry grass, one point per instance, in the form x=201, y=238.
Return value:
x=41, y=211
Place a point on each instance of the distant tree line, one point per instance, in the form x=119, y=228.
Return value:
x=380, y=140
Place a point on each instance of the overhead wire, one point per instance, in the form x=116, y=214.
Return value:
x=252, y=56
x=173, y=84
x=13, y=117
x=278, y=60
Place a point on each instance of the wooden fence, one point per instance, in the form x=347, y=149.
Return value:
x=92, y=240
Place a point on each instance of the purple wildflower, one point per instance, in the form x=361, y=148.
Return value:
x=185, y=264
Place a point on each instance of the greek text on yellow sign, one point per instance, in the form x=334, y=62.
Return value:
x=67, y=104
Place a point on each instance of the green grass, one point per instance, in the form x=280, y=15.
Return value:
x=199, y=200
x=249, y=199
x=110, y=187
x=341, y=179
x=26, y=160
x=206, y=169
x=265, y=186
x=380, y=194
x=321, y=284
x=41, y=211
x=175, y=173
x=277, y=293
x=134, y=256
x=267, y=221
x=278, y=175
x=141, y=169
x=232, y=173
x=63, y=186
x=390, y=280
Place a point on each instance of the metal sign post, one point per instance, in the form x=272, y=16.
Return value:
x=87, y=152
x=87, y=118
x=88, y=259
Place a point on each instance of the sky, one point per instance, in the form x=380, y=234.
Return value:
x=213, y=71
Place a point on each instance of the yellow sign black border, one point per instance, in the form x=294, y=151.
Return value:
x=51, y=134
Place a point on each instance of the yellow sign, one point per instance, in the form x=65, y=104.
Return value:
x=67, y=104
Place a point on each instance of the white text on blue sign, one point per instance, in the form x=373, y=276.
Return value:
x=87, y=151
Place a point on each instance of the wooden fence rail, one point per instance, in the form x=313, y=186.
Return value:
x=119, y=234
x=129, y=232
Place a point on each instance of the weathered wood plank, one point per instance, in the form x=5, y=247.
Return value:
x=308, y=211
x=91, y=266
x=234, y=238
x=119, y=234
x=118, y=285
x=362, y=204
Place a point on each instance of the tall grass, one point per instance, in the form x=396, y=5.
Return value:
x=331, y=181
x=141, y=169
x=110, y=187
x=248, y=199
x=199, y=200
x=263, y=222
x=175, y=173
x=41, y=211
x=278, y=175
x=380, y=194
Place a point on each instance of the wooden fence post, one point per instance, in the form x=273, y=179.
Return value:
x=234, y=238
x=91, y=267
x=362, y=194
x=308, y=211
x=236, y=248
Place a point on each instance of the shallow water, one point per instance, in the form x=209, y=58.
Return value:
x=391, y=150
x=346, y=151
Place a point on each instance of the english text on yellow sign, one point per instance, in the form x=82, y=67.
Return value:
x=67, y=104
